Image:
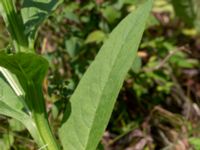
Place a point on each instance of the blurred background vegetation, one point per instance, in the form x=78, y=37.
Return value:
x=159, y=104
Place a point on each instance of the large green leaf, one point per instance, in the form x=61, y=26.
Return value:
x=91, y=104
x=30, y=70
x=188, y=11
x=34, y=12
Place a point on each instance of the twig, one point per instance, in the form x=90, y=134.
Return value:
x=180, y=92
x=164, y=61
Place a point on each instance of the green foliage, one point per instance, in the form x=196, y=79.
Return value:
x=92, y=102
x=23, y=25
x=96, y=36
x=22, y=64
x=162, y=80
x=34, y=12
x=188, y=11
x=14, y=24
x=30, y=70
x=6, y=141
x=15, y=125
x=12, y=106
x=111, y=14
x=195, y=142
x=185, y=10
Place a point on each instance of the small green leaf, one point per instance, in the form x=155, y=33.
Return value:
x=152, y=21
x=95, y=37
x=72, y=46
x=15, y=125
x=179, y=59
x=34, y=12
x=195, y=142
x=111, y=14
x=91, y=104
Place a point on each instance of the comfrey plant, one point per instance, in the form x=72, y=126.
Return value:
x=23, y=71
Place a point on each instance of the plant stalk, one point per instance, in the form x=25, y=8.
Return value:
x=34, y=97
x=15, y=25
x=45, y=132
x=37, y=105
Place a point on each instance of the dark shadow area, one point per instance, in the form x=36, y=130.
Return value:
x=67, y=112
